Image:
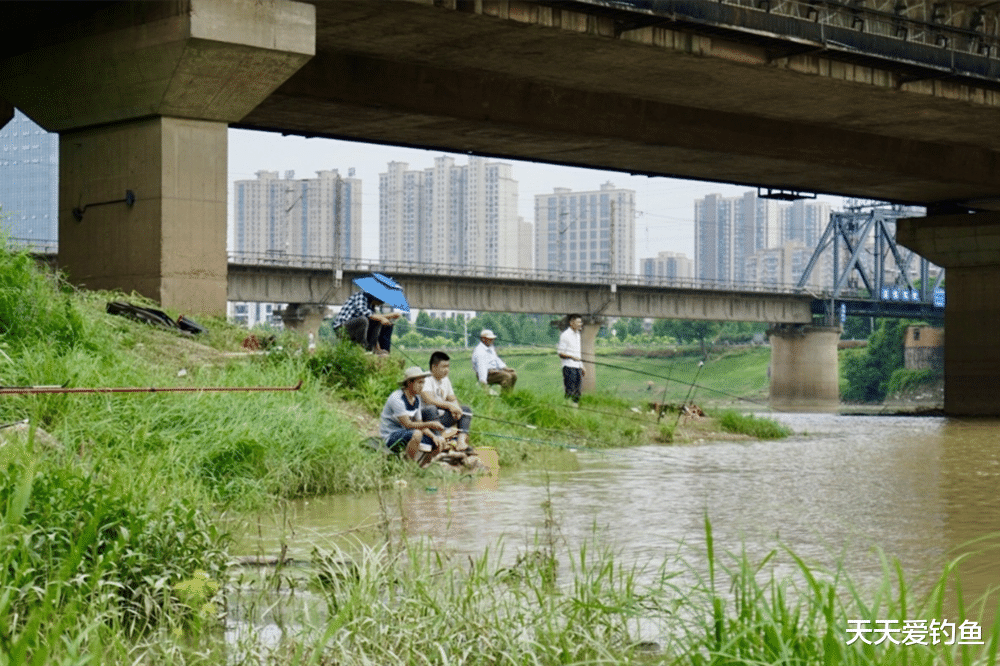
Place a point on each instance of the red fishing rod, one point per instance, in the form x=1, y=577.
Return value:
x=26, y=390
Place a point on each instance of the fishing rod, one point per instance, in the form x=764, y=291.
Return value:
x=28, y=390
x=539, y=348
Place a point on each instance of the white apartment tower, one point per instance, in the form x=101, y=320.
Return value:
x=727, y=230
x=667, y=266
x=586, y=232
x=288, y=217
x=449, y=214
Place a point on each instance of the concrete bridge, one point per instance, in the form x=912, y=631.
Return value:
x=888, y=100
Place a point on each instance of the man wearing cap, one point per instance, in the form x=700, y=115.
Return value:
x=488, y=366
x=401, y=426
x=359, y=321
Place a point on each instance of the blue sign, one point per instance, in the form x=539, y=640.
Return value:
x=843, y=312
x=885, y=293
x=939, y=297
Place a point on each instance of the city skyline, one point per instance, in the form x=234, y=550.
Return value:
x=664, y=206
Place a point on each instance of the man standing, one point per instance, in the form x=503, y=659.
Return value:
x=569, y=350
x=489, y=368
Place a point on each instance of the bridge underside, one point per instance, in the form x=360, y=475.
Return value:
x=582, y=84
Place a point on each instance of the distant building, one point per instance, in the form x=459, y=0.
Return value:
x=923, y=347
x=586, y=232
x=29, y=184
x=288, y=217
x=449, y=214
x=253, y=314
x=804, y=220
x=667, y=266
x=730, y=231
x=287, y=220
x=525, y=244
x=727, y=230
x=780, y=266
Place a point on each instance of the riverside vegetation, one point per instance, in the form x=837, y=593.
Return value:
x=111, y=550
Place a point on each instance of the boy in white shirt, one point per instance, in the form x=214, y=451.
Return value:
x=440, y=403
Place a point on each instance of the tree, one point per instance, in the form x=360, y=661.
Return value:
x=868, y=371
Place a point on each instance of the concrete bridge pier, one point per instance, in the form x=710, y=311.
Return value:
x=588, y=338
x=804, y=368
x=304, y=318
x=141, y=94
x=968, y=246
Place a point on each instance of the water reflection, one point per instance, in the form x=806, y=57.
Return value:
x=917, y=488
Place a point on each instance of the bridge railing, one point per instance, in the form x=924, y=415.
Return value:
x=401, y=269
x=954, y=26
x=846, y=25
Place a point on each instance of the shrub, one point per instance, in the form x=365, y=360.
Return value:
x=33, y=308
x=754, y=426
x=908, y=380
x=97, y=539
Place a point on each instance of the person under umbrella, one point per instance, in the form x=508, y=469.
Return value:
x=359, y=320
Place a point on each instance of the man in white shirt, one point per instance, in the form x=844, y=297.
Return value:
x=489, y=368
x=440, y=403
x=569, y=350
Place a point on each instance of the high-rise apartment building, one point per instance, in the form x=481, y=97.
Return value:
x=729, y=231
x=667, y=266
x=586, y=232
x=804, y=221
x=29, y=184
x=449, y=214
x=289, y=217
x=782, y=266
x=525, y=244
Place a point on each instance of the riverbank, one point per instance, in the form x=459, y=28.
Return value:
x=111, y=500
x=114, y=510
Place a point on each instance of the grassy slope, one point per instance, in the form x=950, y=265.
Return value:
x=739, y=373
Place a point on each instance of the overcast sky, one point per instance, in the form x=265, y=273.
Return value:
x=664, y=206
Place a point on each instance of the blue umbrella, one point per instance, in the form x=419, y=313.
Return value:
x=384, y=289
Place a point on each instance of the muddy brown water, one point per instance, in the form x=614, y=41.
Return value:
x=918, y=488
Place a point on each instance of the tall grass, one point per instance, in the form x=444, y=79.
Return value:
x=754, y=426
x=411, y=603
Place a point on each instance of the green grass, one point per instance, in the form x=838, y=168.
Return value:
x=754, y=426
x=111, y=550
x=727, y=377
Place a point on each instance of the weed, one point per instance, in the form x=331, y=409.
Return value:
x=754, y=426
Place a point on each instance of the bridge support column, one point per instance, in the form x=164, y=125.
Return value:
x=968, y=246
x=804, y=368
x=141, y=94
x=588, y=337
x=304, y=318
x=170, y=245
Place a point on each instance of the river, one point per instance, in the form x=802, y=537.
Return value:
x=918, y=488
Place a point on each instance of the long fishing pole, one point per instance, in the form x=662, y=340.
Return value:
x=701, y=364
x=27, y=390
x=668, y=378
